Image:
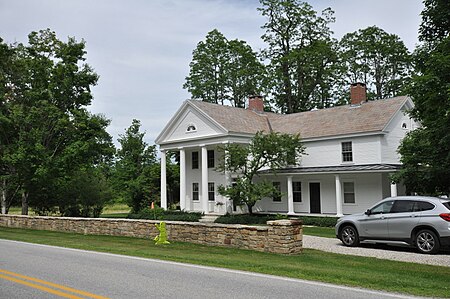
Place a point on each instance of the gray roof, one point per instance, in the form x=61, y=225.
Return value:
x=339, y=168
x=370, y=116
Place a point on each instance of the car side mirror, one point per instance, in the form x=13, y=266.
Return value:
x=368, y=212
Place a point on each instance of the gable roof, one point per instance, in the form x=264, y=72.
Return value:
x=368, y=117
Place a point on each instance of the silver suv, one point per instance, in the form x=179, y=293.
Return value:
x=423, y=222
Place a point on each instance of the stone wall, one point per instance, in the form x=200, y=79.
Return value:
x=279, y=236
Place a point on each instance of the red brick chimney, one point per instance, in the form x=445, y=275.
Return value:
x=358, y=93
x=256, y=103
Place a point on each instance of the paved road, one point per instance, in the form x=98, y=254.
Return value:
x=394, y=253
x=115, y=276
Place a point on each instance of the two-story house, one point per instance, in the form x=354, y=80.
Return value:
x=351, y=151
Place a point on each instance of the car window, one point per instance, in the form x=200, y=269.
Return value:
x=402, y=206
x=446, y=204
x=382, y=208
x=420, y=206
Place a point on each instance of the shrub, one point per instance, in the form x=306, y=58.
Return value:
x=319, y=221
x=159, y=214
x=262, y=219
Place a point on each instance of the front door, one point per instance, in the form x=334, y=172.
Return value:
x=314, y=198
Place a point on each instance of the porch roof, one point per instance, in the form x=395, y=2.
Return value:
x=336, y=169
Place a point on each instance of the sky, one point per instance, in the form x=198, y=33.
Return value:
x=141, y=49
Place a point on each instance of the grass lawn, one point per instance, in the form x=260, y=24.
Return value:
x=327, y=232
x=316, y=265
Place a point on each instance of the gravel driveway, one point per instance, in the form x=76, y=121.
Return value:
x=378, y=251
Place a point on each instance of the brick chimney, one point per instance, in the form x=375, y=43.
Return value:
x=358, y=93
x=256, y=103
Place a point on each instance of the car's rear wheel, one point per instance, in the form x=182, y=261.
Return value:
x=426, y=241
x=349, y=236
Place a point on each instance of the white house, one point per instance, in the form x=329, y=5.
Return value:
x=351, y=152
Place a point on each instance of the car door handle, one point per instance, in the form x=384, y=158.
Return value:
x=413, y=215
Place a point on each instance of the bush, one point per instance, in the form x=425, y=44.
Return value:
x=159, y=214
x=319, y=221
x=245, y=219
x=262, y=219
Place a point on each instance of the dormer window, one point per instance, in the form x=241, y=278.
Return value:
x=191, y=128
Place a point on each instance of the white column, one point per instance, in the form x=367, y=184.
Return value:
x=393, y=189
x=290, y=196
x=338, y=196
x=204, y=197
x=163, y=181
x=182, y=179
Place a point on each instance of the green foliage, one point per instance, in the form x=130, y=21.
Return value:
x=92, y=192
x=318, y=221
x=46, y=132
x=263, y=218
x=245, y=219
x=135, y=169
x=161, y=214
x=302, y=54
x=425, y=153
x=272, y=151
x=378, y=59
x=224, y=70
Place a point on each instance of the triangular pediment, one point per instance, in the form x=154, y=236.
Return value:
x=187, y=124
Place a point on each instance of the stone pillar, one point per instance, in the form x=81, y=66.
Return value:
x=284, y=236
x=182, y=179
x=163, y=181
x=290, y=196
x=204, y=194
x=338, y=196
x=393, y=189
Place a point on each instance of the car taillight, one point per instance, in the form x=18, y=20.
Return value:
x=445, y=216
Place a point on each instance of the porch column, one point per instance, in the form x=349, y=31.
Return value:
x=393, y=189
x=338, y=196
x=204, y=198
x=182, y=179
x=290, y=196
x=163, y=181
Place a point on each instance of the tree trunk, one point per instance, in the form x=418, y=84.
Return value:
x=250, y=209
x=24, y=203
x=3, y=198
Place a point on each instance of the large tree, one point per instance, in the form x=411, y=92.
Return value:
x=425, y=153
x=46, y=132
x=378, y=59
x=301, y=52
x=224, y=70
x=270, y=151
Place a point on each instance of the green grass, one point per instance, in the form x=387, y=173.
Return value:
x=408, y=278
x=327, y=232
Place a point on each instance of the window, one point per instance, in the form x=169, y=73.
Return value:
x=194, y=160
x=383, y=208
x=210, y=158
x=195, y=191
x=297, y=191
x=403, y=206
x=211, y=192
x=277, y=194
x=349, y=192
x=191, y=128
x=420, y=206
x=347, y=153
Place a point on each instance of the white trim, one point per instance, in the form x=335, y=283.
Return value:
x=183, y=180
x=163, y=181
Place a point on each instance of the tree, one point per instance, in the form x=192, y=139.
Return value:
x=135, y=169
x=425, y=153
x=223, y=70
x=272, y=151
x=301, y=52
x=378, y=59
x=48, y=134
